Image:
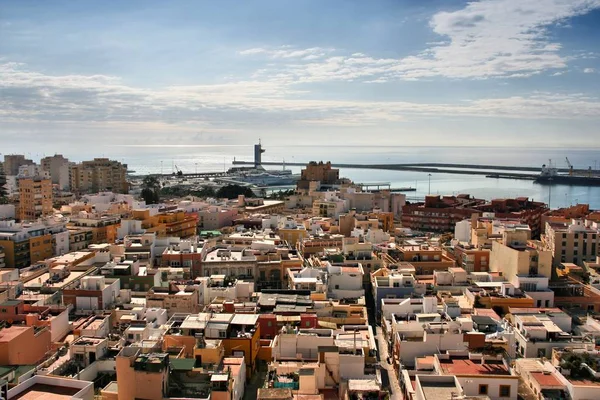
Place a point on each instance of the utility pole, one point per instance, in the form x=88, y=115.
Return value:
x=429, y=189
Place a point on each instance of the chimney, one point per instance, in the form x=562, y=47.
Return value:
x=229, y=306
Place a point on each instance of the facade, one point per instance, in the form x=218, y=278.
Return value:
x=574, y=242
x=27, y=243
x=514, y=255
x=35, y=198
x=98, y=175
x=12, y=162
x=24, y=345
x=318, y=172
x=59, y=169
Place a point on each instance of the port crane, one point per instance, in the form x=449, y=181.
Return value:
x=570, y=166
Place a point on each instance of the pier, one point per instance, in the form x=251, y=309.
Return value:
x=436, y=168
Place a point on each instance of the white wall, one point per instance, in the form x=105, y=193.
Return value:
x=448, y=341
x=471, y=384
x=462, y=231
x=59, y=326
x=351, y=366
x=289, y=345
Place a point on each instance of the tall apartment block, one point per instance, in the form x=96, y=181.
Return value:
x=576, y=241
x=100, y=174
x=59, y=169
x=12, y=162
x=35, y=198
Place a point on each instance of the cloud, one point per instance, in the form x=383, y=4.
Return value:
x=589, y=70
x=485, y=39
x=287, y=52
x=29, y=96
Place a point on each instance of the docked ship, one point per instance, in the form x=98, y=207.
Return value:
x=550, y=176
x=258, y=175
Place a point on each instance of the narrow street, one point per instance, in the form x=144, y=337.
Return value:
x=387, y=369
x=389, y=379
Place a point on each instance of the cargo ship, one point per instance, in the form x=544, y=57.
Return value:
x=550, y=176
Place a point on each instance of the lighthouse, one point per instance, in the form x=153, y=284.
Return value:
x=258, y=150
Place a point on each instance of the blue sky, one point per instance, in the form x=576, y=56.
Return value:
x=490, y=72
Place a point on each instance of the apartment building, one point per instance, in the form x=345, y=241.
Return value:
x=104, y=228
x=441, y=214
x=176, y=298
x=12, y=162
x=539, y=331
x=35, y=198
x=576, y=241
x=59, y=169
x=98, y=175
x=27, y=243
x=515, y=255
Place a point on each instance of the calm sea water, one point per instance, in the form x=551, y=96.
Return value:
x=217, y=158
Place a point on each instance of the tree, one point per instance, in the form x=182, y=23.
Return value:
x=233, y=191
x=151, y=189
x=3, y=190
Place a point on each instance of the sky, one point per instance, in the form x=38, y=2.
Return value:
x=86, y=76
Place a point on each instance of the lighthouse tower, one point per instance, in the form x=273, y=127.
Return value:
x=258, y=150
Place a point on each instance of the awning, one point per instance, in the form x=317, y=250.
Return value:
x=288, y=318
x=329, y=325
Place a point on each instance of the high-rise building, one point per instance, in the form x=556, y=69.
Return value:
x=35, y=198
x=12, y=162
x=574, y=242
x=59, y=169
x=100, y=174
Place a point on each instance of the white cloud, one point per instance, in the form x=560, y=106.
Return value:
x=589, y=70
x=33, y=96
x=485, y=39
x=287, y=52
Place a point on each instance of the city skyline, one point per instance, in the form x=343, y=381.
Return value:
x=489, y=72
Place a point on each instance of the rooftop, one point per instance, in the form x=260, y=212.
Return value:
x=465, y=366
x=546, y=379
x=46, y=392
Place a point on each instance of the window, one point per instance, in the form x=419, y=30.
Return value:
x=483, y=389
x=269, y=323
x=396, y=284
x=308, y=323
x=222, y=334
x=504, y=391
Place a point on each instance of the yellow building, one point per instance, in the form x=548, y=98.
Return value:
x=100, y=174
x=35, y=198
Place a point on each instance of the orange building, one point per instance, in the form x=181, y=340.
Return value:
x=104, y=229
x=171, y=223
x=321, y=172
x=24, y=345
x=35, y=198
x=40, y=248
x=142, y=376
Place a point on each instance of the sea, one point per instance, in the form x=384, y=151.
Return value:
x=211, y=158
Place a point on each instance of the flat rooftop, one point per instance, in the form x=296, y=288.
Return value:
x=439, y=390
x=46, y=392
x=74, y=275
x=464, y=366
